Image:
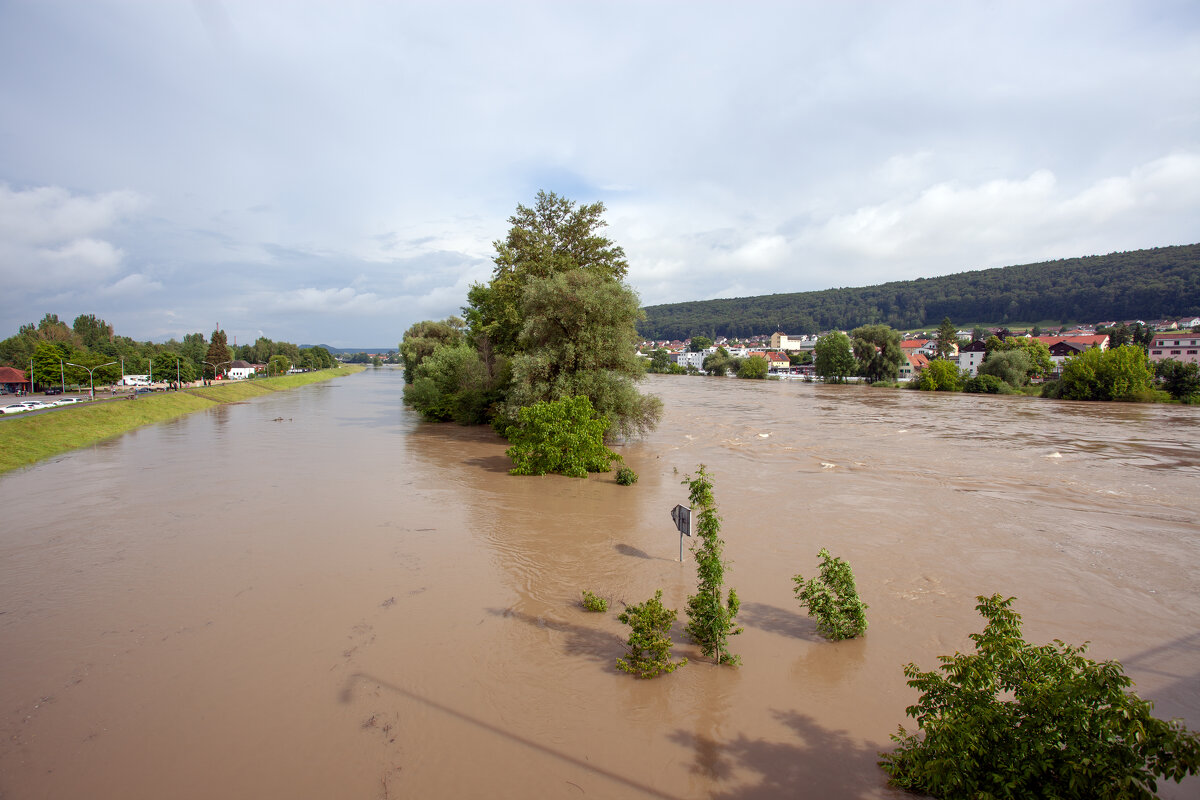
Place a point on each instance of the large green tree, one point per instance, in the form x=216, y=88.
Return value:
x=217, y=357
x=1011, y=366
x=554, y=236
x=1181, y=380
x=877, y=350
x=557, y=307
x=832, y=357
x=423, y=338
x=579, y=339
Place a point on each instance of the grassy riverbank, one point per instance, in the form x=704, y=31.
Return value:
x=30, y=439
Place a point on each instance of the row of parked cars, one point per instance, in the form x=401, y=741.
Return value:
x=35, y=405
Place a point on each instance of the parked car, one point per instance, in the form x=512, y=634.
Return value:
x=66, y=401
x=25, y=405
x=53, y=391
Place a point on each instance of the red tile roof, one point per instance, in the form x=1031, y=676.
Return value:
x=10, y=375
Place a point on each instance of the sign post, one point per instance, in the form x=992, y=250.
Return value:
x=682, y=515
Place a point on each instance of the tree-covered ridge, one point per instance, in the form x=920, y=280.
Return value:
x=1141, y=284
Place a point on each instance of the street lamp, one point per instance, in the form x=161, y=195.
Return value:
x=91, y=383
x=217, y=366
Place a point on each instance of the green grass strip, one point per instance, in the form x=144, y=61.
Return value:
x=26, y=440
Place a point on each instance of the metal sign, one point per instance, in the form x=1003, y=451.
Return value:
x=683, y=519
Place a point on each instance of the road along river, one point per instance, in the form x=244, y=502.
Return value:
x=314, y=594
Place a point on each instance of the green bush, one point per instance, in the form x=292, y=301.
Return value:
x=593, y=602
x=1121, y=373
x=832, y=599
x=559, y=436
x=710, y=620
x=987, y=384
x=754, y=368
x=650, y=643
x=939, y=375
x=626, y=476
x=1013, y=720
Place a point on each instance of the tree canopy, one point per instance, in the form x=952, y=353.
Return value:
x=832, y=357
x=877, y=350
x=556, y=321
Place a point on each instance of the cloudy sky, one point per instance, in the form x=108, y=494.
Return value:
x=334, y=171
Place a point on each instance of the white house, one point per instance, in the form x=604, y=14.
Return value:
x=240, y=370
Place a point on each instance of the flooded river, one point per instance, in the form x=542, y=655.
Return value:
x=315, y=595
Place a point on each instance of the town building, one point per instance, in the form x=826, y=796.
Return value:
x=1180, y=346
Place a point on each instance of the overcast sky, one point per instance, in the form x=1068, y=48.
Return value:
x=333, y=172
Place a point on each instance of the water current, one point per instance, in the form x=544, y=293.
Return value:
x=317, y=595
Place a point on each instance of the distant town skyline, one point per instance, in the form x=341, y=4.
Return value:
x=331, y=173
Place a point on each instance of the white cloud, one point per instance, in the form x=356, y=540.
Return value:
x=50, y=238
x=132, y=286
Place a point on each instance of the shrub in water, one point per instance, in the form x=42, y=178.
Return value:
x=1013, y=720
x=593, y=602
x=649, y=640
x=626, y=476
x=832, y=599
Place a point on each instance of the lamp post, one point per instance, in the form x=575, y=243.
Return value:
x=91, y=383
x=217, y=366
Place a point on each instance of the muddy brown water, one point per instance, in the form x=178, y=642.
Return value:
x=316, y=595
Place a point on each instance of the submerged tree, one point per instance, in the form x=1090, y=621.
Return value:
x=710, y=618
x=832, y=357
x=877, y=349
x=649, y=646
x=832, y=599
x=1014, y=720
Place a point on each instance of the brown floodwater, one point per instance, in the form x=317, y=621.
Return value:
x=316, y=595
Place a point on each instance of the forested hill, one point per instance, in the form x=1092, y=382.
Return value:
x=1142, y=284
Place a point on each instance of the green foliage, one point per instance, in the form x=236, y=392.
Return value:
x=579, y=339
x=553, y=237
x=947, y=340
x=877, y=350
x=649, y=653
x=832, y=357
x=832, y=599
x=1121, y=373
x=559, y=436
x=278, y=365
x=626, y=476
x=1035, y=350
x=593, y=602
x=1011, y=366
x=754, y=368
x=700, y=343
x=1140, y=284
x=1014, y=720
x=217, y=357
x=1181, y=380
x=939, y=375
x=660, y=362
x=719, y=363
x=710, y=621
x=987, y=384
x=422, y=339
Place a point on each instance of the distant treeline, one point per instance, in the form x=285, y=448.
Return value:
x=1142, y=284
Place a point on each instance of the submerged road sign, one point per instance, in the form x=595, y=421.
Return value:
x=683, y=521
